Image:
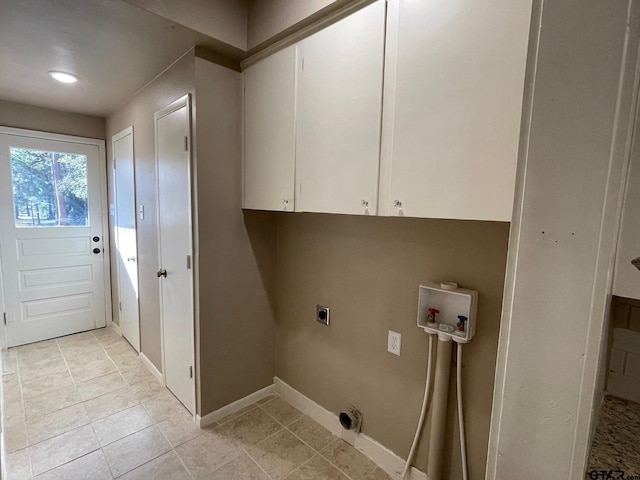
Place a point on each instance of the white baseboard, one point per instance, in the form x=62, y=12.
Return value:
x=116, y=328
x=216, y=415
x=382, y=456
x=152, y=368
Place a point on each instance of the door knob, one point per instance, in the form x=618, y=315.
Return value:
x=131, y=259
x=161, y=273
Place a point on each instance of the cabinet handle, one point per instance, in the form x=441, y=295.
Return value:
x=397, y=203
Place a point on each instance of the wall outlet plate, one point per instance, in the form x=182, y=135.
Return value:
x=394, y=342
x=322, y=314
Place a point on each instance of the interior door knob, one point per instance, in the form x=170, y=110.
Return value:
x=161, y=273
x=131, y=259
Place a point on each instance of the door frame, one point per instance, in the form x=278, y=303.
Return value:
x=119, y=136
x=184, y=101
x=106, y=257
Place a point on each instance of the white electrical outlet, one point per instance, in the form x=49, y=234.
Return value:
x=394, y=343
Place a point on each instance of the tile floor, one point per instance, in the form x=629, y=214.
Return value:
x=615, y=442
x=85, y=407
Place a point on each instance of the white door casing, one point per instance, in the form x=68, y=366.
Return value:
x=126, y=236
x=175, y=241
x=53, y=282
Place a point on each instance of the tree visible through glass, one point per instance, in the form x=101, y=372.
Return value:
x=49, y=188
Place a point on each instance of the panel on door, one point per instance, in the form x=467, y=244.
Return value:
x=126, y=237
x=339, y=115
x=51, y=237
x=269, y=132
x=175, y=242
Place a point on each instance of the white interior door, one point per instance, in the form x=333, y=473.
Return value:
x=52, y=244
x=175, y=247
x=126, y=236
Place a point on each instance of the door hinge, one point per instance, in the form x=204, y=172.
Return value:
x=188, y=262
x=4, y=318
x=114, y=163
x=120, y=305
x=186, y=143
x=190, y=371
x=303, y=64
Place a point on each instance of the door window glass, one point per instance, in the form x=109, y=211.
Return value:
x=49, y=188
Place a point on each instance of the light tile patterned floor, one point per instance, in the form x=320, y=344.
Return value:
x=85, y=407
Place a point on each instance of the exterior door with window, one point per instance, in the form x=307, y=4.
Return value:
x=52, y=245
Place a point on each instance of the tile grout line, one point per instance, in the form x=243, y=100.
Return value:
x=24, y=412
x=155, y=423
x=64, y=359
x=253, y=459
x=173, y=449
x=318, y=452
x=81, y=402
x=92, y=421
x=285, y=427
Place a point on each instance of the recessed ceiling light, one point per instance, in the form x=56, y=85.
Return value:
x=63, y=77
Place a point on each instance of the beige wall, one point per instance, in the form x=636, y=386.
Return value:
x=268, y=18
x=17, y=115
x=236, y=252
x=367, y=270
x=138, y=112
x=222, y=20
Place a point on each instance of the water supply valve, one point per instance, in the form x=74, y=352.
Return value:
x=431, y=317
x=448, y=311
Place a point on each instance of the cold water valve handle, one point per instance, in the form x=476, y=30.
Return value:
x=462, y=323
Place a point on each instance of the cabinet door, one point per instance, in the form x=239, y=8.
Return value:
x=269, y=132
x=339, y=115
x=454, y=81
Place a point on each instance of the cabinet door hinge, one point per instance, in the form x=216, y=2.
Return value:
x=186, y=143
x=188, y=262
x=190, y=371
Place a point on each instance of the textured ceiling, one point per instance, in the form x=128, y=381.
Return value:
x=113, y=47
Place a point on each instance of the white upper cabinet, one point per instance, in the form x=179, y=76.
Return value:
x=269, y=132
x=454, y=81
x=339, y=115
